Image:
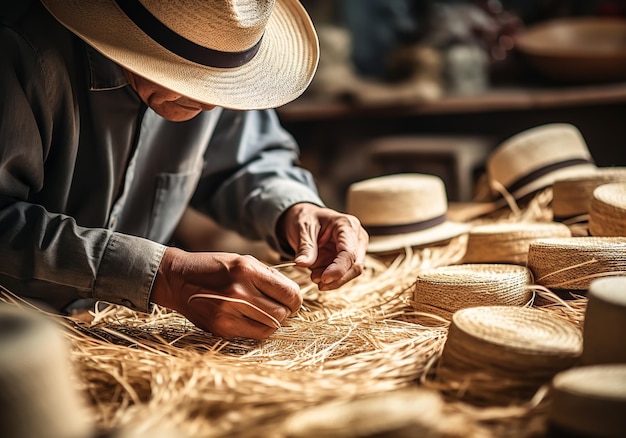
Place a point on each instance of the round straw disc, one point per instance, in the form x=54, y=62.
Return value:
x=523, y=331
x=445, y=290
x=503, y=354
x=607, y=216
x=590, y=401
x=572, y=263
x=508, y=242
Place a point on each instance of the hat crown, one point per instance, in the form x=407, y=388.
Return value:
x=223, y=25
x=397, y=199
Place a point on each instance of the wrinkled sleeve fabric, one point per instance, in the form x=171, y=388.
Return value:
x=252, y=175
x=45, y=255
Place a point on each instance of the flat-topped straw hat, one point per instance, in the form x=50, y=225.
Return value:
x=570, y=264
x=444, y=290
x=402, y=210
x=571, y=197
x=589, y=401
x=605, y=322
x=241, y=54
x=503, y=354
x=508, y=242
x=607, y=214
x=533, y=159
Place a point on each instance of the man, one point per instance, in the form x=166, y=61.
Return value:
x=116, y=115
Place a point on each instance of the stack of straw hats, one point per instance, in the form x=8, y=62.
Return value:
x=508, y=242
x=571, y=197
x=570, y=264
x=447, y=289
x=501, y=354
x=607, y=215
x=402, y=210
x=591, y=400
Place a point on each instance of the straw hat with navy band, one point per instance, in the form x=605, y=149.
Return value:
x=239, y=54
x=402, y=210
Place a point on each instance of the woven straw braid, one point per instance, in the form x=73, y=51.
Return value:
x=607, y=215
x=572, y=263
x=506, y=352
x=443, y=291
x=508, y=242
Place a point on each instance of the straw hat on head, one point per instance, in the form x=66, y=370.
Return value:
x=402, y=210
x=240, y=54
x=533, y=159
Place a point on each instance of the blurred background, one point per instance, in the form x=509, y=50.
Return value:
x=433, y=86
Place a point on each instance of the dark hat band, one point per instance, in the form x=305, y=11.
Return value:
x=181, y=46
x=542, y=171
x=387, y=230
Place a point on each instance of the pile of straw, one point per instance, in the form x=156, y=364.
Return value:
x=353, y=345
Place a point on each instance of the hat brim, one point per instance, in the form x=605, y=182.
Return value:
x=280, y=72
x=444, y=231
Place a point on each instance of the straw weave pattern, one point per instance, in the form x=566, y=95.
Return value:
x=505, y=352
x=607, y=216
x=572, y=263
x=445, y=290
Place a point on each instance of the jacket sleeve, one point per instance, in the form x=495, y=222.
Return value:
x=44, y=254
x=252, y=175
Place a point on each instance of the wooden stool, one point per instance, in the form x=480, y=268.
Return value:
x=455, y=160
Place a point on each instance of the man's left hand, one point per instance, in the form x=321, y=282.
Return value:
x=330, y=243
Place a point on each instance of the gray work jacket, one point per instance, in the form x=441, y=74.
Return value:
x=93, y=183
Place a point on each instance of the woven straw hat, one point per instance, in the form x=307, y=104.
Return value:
x=241, y=54
x=607, y=215
x=447, y=289
x=605, y=317
x=508, y=242
x=571, y=197
x=501, y=354
x=570, y=264
x=402, y=210
x=589, y=401
x=533, y=159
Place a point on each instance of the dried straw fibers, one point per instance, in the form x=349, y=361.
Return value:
x=503, y=353
x=607, y=216
x=572, y=263
x=444, y=290
x=571, y=197
x=605, y=317
x=590, y=401
x=508, y=242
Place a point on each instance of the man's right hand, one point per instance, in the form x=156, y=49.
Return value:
x=229, y=295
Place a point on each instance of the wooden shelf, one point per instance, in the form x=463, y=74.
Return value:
x=497, y=99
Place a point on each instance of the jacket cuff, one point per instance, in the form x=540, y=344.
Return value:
x=127, y=271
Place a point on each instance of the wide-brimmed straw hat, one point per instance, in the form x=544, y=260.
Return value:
x=240, y=54
x=402, y=210
x=533, y=159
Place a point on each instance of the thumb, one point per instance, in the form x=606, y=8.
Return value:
x=306, y=253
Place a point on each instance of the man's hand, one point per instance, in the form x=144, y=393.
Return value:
x=229, y=295
x=330, y=243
